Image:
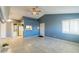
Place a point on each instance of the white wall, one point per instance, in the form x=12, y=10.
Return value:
x=2, y=30
x=9, y=29
x=6, y=30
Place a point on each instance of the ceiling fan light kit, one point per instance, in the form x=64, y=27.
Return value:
x=35, y=11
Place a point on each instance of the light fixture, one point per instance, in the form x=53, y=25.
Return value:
x=35, y=11
x=9, y=20
x=6, y=20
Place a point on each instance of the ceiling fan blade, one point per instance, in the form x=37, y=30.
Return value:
x=39, y=11
x=35, y=10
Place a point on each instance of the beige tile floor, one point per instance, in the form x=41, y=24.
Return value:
x=41, y=45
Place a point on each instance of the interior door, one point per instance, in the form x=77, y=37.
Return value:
x=20, y=30
x=42, y=29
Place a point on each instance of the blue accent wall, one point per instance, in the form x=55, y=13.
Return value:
x=34, y=23
x=53, y=26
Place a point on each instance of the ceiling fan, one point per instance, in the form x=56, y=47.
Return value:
x=36, y=11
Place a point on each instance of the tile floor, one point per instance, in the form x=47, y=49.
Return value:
x=42, y=45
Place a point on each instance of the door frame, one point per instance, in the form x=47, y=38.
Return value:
x=42, y=29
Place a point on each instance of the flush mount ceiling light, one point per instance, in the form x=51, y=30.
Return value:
x=9, y=20
x=36, y=11
x=4, y=21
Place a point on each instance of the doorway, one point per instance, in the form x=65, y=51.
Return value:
x=42, y=29
x=18, y=30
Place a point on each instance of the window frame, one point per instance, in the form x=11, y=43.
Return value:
x=29, y=27
x=72, y=23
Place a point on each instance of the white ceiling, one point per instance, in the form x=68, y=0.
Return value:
x=5, y=12
x=17, y=12
x=61, y=9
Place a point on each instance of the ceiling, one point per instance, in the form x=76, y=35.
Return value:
x=17, y=12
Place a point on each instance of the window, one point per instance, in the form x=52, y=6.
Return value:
x=28, y=27
x=65, y=26
x=70, y=26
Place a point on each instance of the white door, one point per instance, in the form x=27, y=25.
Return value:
x=42, y=29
